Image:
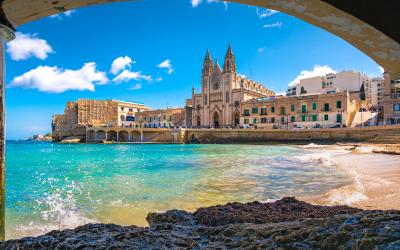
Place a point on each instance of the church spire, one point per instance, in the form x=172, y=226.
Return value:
x=216, y=66
x=229, y=63
x=207, y=65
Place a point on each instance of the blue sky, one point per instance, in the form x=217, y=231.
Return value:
x=161, y=46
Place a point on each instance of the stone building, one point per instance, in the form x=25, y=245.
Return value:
x=349, y=80
x=308, y=110
x=93, y=113
x=222, y=91
x=162, y=118
x=391, y=100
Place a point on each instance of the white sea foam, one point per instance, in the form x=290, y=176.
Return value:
x=59, y=211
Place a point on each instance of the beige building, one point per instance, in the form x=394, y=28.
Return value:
x=349, y=80
x=222, y=91
x=161, y=118
x=312, y=111
x=391, y=100
x=127, y=113
x=93, y=113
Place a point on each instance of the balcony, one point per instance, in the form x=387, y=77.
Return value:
x=246, y=114
x=263, y=113
x=326, y=110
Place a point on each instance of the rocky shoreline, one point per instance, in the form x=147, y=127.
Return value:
x=284, y=224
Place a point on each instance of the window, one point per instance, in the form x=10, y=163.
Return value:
x=396, y=107
x=205, y=100
x=339, y=118
x=130, y=110
x=145, y=118
x=304, y=108
x=246, y=112
x=326, y=107
x=170, y=118
x=273, y=120
x=255, y=121
x=339, y=104
x=326, y=117
x=292, y=119
x=303, y=118
x=263, y=111
x=149, y=118
x=314, y=118
x=165, y=117
x=314, y=106
x=254, y=110
x=272, y=109
x=282, y=111
x=130, y=118
x=246, y=121
x=282, y=119
x=227, y=96
x=263, y=120
x=154, y=118
x=292, y=108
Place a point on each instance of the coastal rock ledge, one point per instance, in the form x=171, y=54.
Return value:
x=284, y=224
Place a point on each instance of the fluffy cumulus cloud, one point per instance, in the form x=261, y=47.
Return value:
x=127, y=75
x=57, y=80
x=263, y=13
x=120, y=64
x=318, y=70
x=260, y=50
x=60, y=16
x=166, y=64
x=273, y=25
x=196, y=3
x=25, y=46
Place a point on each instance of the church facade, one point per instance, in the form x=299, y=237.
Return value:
x=222, y=92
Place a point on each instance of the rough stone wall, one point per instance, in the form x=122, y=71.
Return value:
x=377, y=135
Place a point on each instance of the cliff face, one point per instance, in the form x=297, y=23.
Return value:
x=285, y=224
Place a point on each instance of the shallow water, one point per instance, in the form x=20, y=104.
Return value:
x=54, y=186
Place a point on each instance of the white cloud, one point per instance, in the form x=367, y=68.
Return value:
x=381, y=69
x=25, y=46
x=57, y=80
x=166, y=64
x=196, y=3
x=318, y=70
x=127, y=75
x=121, y=63
x=273, y=25
x=260, y=50
x=280, y=94
x=158, y=79
x=60, y=16
x=136, y=86
x=263, y=13
x=242, y=75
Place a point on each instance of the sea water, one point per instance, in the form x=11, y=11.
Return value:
x=57, y=186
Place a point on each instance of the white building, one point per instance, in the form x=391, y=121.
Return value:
x=126, y=112
x=351, y=81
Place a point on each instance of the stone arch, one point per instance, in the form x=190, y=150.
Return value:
x=123, y=136
x=100, y=135
x=198, y=121
x=236, y=118
x=112, y=135
x=135, y=136
x=374, y=37
x=216, y=119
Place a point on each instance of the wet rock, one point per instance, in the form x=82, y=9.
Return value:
x=285, y=224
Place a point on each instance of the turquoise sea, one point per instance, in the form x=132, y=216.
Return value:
x=55, y=186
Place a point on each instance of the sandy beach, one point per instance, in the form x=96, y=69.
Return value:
x=376, y=176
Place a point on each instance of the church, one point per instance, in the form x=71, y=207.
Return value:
x=222, y=92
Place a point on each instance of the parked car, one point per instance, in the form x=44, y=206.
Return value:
x=298, y=127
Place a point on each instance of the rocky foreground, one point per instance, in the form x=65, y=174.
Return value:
x=284, y=224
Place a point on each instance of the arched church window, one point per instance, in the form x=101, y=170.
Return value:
x=227, y=96
x=205, y=99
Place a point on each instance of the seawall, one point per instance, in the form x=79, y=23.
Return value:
x=383, y=134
